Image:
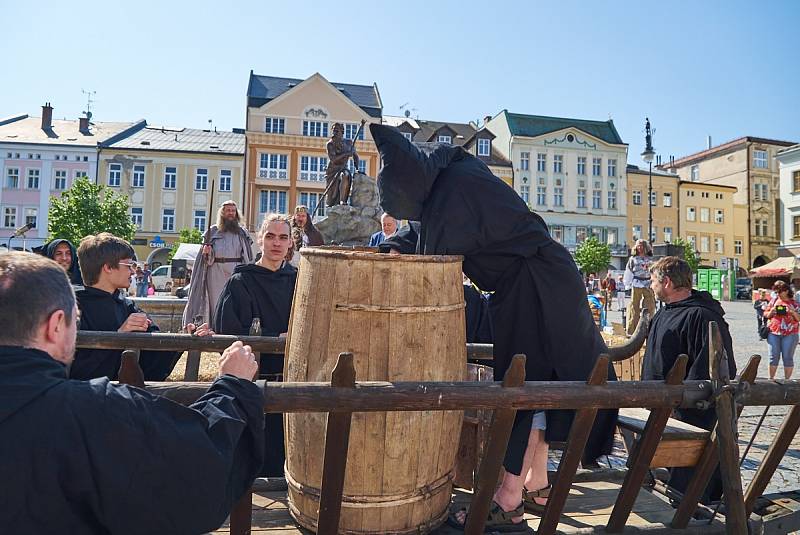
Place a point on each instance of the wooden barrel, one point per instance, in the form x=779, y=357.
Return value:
x=402, y=317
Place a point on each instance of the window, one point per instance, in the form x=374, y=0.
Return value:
x=719, y=216
x=596, y=166
x=12, y=178
x=60, y=179
x=761, y=192
x=692, y=241
x=272, y=202
x=168, y=220
x=653, y=234
x=737, y=245
x=114, y=174
x=362, y=166
x=690, y=194
x=718, y=196
x=653, y=195
x=704, y=215
x=719, y=245
x=612, y=167
x=558, y=163
x=315, y=128
x=524, y=160
x=612, y=200
x=557, y=232
x=580, y=234
x=137, y=217
x=170, y=177
x=612, y=236
x=310, y=200
x=704, y=244
x=80, y=174
x=637, y=197
x=138, y=176
x=581, y=197
x=597, y=200
x=274, y=166
x=761, y=227
x=201, y=179
x=581, y=165
x=558, y=195
x=637, y=232
x=667, y=234
x=33, y=179
x=484, y=146
x=541, y=195
x=695, y=173
x=313, y=168
x=407, y=135
x=10, y=217
x=760, y=159
x=30, y=216
x=667, y=200
x=690, y=214
x=796, y=181
x=275, y=125
x=443, y=138
x=225, y=179
x=525, y=193
x=200, y=220
x=350, y=130
x=541, y=162
x=704, y=194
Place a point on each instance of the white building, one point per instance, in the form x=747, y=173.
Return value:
x=572, y=172
x=789, y=169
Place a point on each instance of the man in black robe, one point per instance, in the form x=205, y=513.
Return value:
x=263, y=291
x=681, y=327
x=539, y=304
x=94, y=457
x=63, y=252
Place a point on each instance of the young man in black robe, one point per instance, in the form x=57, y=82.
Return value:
x=107, y=263
x=263, y=290
x=65, y=255
x=94, y=457
x=681, y=327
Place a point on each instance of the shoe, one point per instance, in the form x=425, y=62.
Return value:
x=499, y=521
x=530, y=504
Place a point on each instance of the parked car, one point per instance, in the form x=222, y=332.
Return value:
x=162, y=278
x=744, y=288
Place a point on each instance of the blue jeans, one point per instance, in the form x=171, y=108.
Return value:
x=782, y=346
x=141, y=289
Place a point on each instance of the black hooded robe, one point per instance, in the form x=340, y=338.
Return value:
x=74, y=272
x=256, y=292
x=94, y=457
x=682, y=328
x=539, y=304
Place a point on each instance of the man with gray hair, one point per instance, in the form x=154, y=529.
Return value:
x=388, y=227
x=96, y=457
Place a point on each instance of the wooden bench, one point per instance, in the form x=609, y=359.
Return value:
x=681, y=444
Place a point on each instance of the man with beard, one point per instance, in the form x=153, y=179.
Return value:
x=304, y=233
x=95, y=457
x=337, y=177
x=63, y=252
x=225, y=246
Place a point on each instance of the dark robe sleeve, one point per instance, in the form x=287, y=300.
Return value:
x=234, y=313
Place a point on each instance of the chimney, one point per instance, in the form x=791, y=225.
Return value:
x=487, y=119
x=47, y=116
x=709, y=143
x=83, y=125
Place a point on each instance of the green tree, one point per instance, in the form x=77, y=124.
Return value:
x=88, y=208
x=593, y=256
x=689, y=253
x=186, y=235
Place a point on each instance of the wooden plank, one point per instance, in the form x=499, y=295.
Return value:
x=130, y=373
x=678, y=453
x=499, y=433
x=777, y=449
x=705, y=467
x=639, y=462
x=334, y=463
x=578, y=434
x=635, y=419
x=242, y=514
x=193, y=365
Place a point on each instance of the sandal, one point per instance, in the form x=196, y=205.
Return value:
x=530, y=503
x=499, y=521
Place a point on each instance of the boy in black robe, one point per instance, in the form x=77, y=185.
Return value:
x=94, y=457
x=65, y=255
x=263, y=290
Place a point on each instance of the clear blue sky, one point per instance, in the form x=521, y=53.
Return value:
x=719, y=68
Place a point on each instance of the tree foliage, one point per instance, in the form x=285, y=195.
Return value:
x=689, y=253
x=186, y=235
x=593, y=256
x=88, y=208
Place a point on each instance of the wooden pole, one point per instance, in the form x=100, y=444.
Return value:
x=130, y=373
x=192, y=366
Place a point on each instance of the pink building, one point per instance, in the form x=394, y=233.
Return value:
x=40, y=157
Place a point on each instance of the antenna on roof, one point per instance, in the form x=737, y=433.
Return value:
x=89, y=101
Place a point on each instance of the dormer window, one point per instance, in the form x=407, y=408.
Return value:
x=484, y=147
x=443, y=138
x=407, y=135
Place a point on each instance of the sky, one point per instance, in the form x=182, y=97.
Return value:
x=723, y=69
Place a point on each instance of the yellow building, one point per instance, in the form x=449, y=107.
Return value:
x=168, y=174
x=706, y=219
x=664, y=201
x=289, y=121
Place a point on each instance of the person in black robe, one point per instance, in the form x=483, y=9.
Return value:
x=539, y=304
x=95, y=457
x=681, y=327
x=65, y=255
x=263, y=290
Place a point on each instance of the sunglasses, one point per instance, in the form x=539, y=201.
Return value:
x=130, y=265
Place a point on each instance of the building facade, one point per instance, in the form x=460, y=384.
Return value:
x=664, y=201
x=789, y=172
x=749, y=165
x=170, y=175
x=706, y=214
x=572, y=172
x=40, y=157
x=289, y=121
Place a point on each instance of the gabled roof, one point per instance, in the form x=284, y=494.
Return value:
x=25, y=129
x=721, y=150
x=172, y=139
x=262, y=89
x=536, y=125
x=656, y=172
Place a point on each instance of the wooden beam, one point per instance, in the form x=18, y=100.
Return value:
x=192, y=366
x=337, y=441
x=241, y=520
x=497, y=442
x=576, y=443
x=639, y=460
x=130, y=373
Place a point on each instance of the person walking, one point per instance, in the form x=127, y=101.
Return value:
x=783, y=320
x=637, y=277
x=620, y=294
x=759, y=304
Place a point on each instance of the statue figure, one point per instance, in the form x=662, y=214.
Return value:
x=648, y=135
x=338, y=178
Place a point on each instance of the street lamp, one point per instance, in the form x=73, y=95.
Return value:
x=647, y=156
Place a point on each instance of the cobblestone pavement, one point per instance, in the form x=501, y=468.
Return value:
x=742, y=323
